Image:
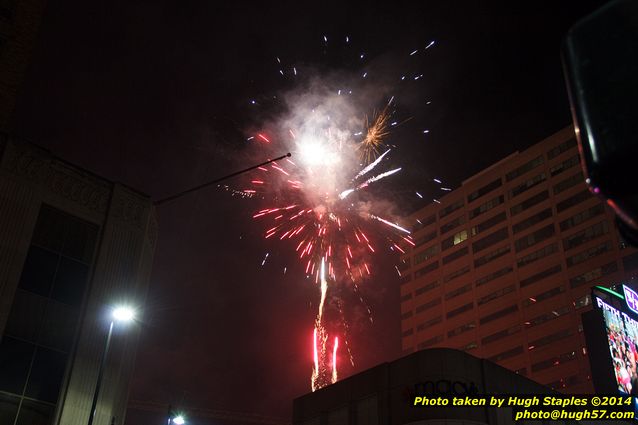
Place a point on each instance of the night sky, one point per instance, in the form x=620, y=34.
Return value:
x=157, y=95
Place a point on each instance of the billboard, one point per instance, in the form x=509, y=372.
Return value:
x=620, y=324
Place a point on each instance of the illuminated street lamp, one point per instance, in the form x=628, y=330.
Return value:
x=120, y=314
x=174, y=417
x=178, y=420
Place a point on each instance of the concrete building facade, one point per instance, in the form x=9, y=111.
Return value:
x=502, y=267
x=384, y=395
x=72, y=245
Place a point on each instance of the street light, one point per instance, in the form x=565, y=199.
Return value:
x=121, y=314
x=178, y=420
x=174, y=417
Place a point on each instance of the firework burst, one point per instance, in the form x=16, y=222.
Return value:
x=321, y=208
x=377, y=131
x=323, y=201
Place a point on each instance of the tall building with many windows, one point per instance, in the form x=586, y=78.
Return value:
x=71, y=245
x=502, y=266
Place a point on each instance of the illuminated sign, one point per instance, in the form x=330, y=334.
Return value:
x=621, y=327
x=631, y=297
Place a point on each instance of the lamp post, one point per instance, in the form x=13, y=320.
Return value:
x=122, y=315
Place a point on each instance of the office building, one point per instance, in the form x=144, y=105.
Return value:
x=502, y=267
x=384, y=395
x=72, y=245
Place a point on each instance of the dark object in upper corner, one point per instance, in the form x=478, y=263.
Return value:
x=600, y=62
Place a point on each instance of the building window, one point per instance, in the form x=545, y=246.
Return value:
x=424, y=239
x=525, y=186
x=488, y=224
x=423, y=222
x=462, y=329
x=430, y=342
x=543, y=296
x=424, y=325
x=537, y=255
x=407, y=333
x=581, y=217
x=512, y=352
x=45, y=312
x=568, y=183
x=406, y=315
x=589, y=253
x=549, y=339
x=426, y=254
x=596, y=273
x=428, y=305
x=585, y=235
x=484, y=190
x=451, y=208
x=454, y=240
x=501, y=334
x=406, y=297
x=453, y=224
x=553, y=361
x=529, y=202
x=529, y=222
x=481, y=261
x=483, y=208
x=426, y=288
x=427, y=269
x=455, y=274
x=455, y=293
x=540, y=275
x=546, y=317
x=498, y=314
x=494, y=275
x=455, y=255
x=563, y=147
x=460, y=310
x=533, y=238
x=490, y=240
x=471, y=346
x=528, y=166
x=496, y=294
x=573, y=200
x=405, y=279
x=565, y=165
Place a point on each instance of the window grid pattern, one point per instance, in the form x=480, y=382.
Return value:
x=495, y=275
x=585, y=235
x=496, y=294
x=462, y=329
x=528, y=166
x=45, y=314
x=529, y=202
x=492, y=203
x=484, y=190
x=541, y=275
x=537, y=255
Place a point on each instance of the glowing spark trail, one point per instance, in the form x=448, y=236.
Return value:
x=371, y=166
x=396, y=226
x=326, y=204
x=381, y=176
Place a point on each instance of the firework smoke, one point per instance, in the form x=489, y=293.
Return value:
x=323, y=198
